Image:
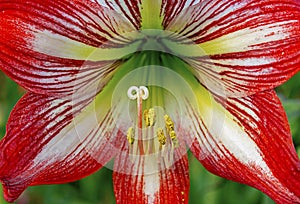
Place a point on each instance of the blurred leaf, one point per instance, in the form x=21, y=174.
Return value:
x=10, y=93
x=207, y=188
x=290, y=89
x=290, y=97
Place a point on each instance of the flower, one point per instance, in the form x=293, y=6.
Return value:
x=141, y=82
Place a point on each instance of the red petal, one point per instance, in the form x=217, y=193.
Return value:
x=250, y=45
x=171, y=9
x=42, y=145
x=150, y=179
x=262, y=155
x=44, y=45
x=130, y=9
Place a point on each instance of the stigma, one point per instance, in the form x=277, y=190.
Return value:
x=153, y=130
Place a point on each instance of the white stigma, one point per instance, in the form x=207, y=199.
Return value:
x=138, y=92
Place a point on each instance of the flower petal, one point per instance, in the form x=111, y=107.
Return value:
x=248, y=140
x=51, y=140
x=144, y=179
x=171, y=9
x=45, y=45
x=130, y=9
x=251, y=45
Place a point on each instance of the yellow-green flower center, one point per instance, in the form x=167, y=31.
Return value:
x=151, y=14
x=148, y=93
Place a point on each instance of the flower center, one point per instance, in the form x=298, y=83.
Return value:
x=154, y=130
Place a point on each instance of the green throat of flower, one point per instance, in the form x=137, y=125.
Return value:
x=148, y=94
x=151, y=14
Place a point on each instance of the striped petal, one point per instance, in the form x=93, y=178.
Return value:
x=45, y=46
x=247, y=46
x=248, y=140
x=130, y=9
x=152, y=165
x=51, y=140
x=171, y=9
x=143, y=179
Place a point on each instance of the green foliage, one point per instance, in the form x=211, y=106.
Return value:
x=98, y=189
x=290, y=97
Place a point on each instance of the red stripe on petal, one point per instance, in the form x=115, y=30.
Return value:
x=35, y=37
x=261, y=118
x=275, y=140
x=131, y=9
x=144, y=179
x=82, y=21
x=209, y=20
x=43, y=74
x=171, y=9
x=45, y=144
x=251, y=45
x=29, y=122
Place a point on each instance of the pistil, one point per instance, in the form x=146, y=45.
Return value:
x=153, y=134
x=139, y=93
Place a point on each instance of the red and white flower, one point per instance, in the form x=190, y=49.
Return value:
x=143, y=81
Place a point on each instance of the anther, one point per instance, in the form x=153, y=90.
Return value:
x=169, y=123
x=172, y=135
x=161, y=136
x=149, y=117
x=130, y=135
x=170, y=130
x=174, y=138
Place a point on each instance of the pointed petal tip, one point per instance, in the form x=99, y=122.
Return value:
x=150, y=181
x=12, y=192
x=41, y=147
x=264, y=158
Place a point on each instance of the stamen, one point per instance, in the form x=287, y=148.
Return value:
x=169, y=123
x=174, y=138
x=130, y=135
x=170, y=130
x=149, y=117
x=142, y=93
x=161, y=136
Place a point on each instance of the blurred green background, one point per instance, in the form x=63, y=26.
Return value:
x=98, y=189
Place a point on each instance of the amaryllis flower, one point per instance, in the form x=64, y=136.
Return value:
x=142, y=81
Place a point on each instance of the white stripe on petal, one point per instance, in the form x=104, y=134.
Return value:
x=247, y=39
x=221, y=132
x=90, y=131
x=247, y=46
x=223, y=139
x=60, y=46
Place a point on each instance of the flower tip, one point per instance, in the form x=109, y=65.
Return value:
x=12, y=192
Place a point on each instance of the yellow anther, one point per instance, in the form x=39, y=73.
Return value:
x=173, y=137
x=149, y=116
x=169, y=123
x=161, y=136
x=171, y=130
x=130, y=135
